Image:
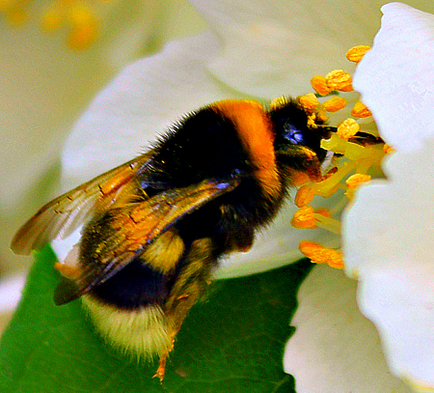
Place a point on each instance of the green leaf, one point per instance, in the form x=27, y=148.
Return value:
x=232, y=342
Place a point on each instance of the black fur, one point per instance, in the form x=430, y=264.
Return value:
x=206, y=145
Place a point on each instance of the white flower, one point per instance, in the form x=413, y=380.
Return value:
x=388, y=233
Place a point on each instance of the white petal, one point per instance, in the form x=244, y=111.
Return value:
x=139, y=104
x=388, y=232
x=396, y=78
x=388, y=244
x=278, y=48
x=335, y=349
x=10, y=292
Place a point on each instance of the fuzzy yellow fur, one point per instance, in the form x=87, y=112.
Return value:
x=142, y=332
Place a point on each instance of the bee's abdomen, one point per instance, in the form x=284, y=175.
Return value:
x=135, y=286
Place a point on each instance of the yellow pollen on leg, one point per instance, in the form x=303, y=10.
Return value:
x=320, y=254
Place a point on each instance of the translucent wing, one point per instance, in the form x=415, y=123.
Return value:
x=136, y=226
x=64, y=214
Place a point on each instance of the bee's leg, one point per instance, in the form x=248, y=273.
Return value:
x=240, y=232
x=70, y=267
x=190, y=284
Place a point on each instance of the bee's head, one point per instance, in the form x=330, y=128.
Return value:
x=295, y=126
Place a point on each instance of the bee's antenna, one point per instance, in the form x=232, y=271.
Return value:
x=361, y=137
x=327, y=128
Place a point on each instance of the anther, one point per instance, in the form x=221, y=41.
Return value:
x=304, y=196
x=334, y=104
x=348, y=129
x=339, y=80
x=356, y=53
x=320, y=254
x=308, y=101
x=319, y=84
x=360, y=110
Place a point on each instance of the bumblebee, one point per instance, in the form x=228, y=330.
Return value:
x=156, y=226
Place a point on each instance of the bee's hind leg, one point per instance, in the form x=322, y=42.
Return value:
x=190, y=284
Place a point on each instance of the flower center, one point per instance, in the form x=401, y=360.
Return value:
x=356, y=158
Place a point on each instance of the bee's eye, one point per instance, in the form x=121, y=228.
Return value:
x=293, y=135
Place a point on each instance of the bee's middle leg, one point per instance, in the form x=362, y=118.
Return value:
x=190, y=285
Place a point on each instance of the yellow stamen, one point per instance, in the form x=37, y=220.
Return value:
x=324, y=221
x=354, y=182
x=348, y=128
x=304, y=196
x=360, y=110
x=308, y=101
x=75, y=14
x=323, y=212
x=304, y=218
x=319, y=84
x=308, y=218
x=335, y=104
x=358, y=155
x=320, y=254
x=329, y=186
x=71, y=272
x=339, y=80
x=356, y=53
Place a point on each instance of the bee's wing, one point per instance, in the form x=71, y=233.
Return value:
x=139, y=225
x=64, y=214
